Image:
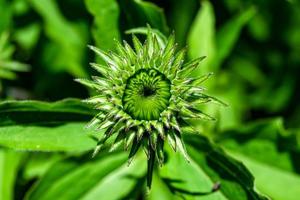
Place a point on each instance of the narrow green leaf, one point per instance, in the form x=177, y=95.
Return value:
x=229, y=33
x=106, y=22
x=201, y=38
x=9, y=163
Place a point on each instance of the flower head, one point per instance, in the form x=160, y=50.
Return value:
x=145, y=96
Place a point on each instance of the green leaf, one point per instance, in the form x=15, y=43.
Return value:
x=9, y=165
x=14, y=66
x=41, y=126
x=153, y=14
x=68, y=40
x=84, y=178
x=260, y=147
x=5, y=74
x=28, y=36
x=271, y=180
x=71, y=137
x=37, y=112
x=127, y=180
x=5, y=15
x=180, y=16
x=37, y=164
x=201, y=38
x=159, y=190
x=138, y=13
x=106, y=18
x=209, y=167
x=229, y=33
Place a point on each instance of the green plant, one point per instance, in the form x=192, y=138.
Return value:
x=146, y=97
x=251, y=151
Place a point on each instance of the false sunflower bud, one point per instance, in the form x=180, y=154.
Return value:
x=145, y=97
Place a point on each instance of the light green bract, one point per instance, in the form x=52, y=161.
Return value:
x=146, y=96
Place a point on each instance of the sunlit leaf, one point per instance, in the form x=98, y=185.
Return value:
x=201, y=38
x=105, y=28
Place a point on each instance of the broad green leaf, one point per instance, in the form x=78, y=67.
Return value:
x=68, y=40
x=9, y=165
x=260, y=140
x=37, y=164
x=228, y=34
x=37, y=112
x=201, y=38
x=270, y=180
x=73, y=137
x=209, y=166
x=127, y=180
x=106, y=22
x=259, y=146
x=86, y=178
x=159, y=190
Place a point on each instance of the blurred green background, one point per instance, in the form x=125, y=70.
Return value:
x=252, y=47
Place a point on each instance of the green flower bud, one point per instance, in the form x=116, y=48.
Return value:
x=146, y=96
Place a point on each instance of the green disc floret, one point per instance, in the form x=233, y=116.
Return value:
x=146, y=95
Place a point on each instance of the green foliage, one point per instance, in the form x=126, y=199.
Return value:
x=105, y=27
x=260, y=146
x=57, y=28
x=251, y=151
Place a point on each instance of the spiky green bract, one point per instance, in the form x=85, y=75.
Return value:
x=145, y=97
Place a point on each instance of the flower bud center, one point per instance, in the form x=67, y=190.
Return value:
x=146, y=95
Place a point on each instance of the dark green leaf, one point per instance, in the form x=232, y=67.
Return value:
x=37, y=112
x=85, y=178
x=229, y=33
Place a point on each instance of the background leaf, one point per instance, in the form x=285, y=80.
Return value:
x=229, y=33
x=209, y=167
x=71, y=137
x=105, y=28
x=37, y=112
x=90, y=179
x=259, y=147
x=201, y=39
x=57, y=28
x=9, y=165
